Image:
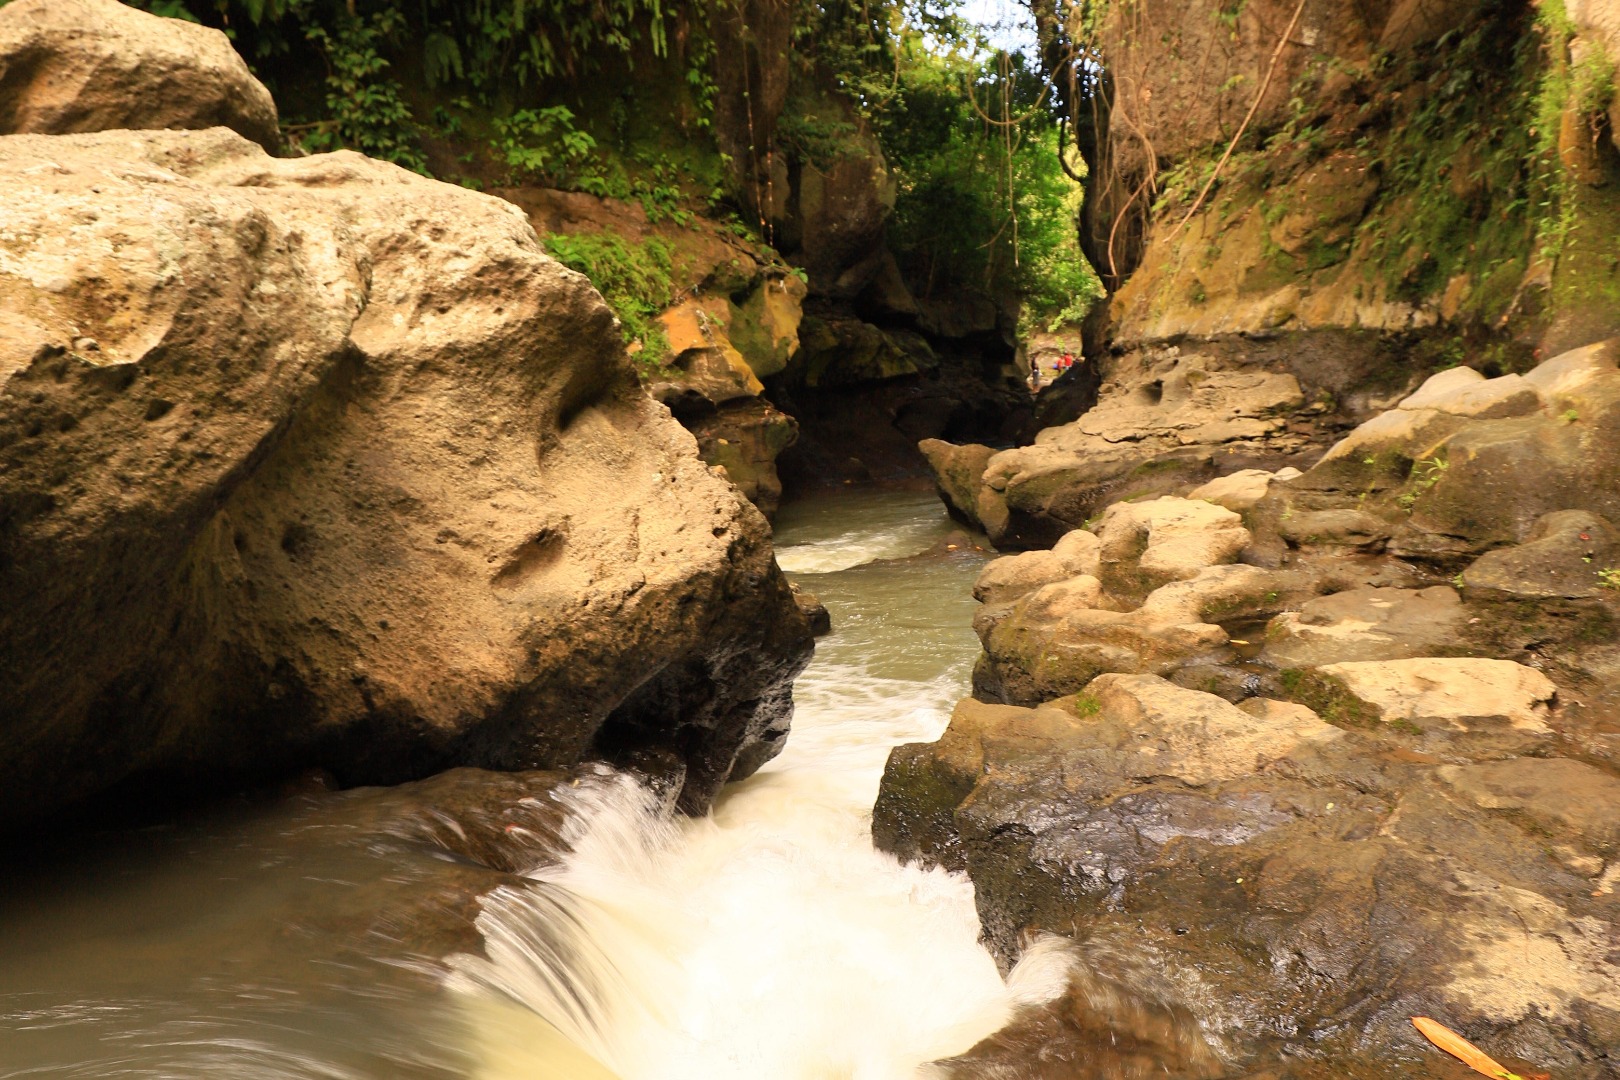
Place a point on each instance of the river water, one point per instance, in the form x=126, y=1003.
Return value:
x=315, y=938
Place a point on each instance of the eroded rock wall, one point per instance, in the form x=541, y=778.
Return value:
x=1382, y=168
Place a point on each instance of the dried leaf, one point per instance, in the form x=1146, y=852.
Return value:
x=1461, y=1049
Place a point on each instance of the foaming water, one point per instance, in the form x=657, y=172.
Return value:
x=855, y=527
x=306, y=937
x=770, y=940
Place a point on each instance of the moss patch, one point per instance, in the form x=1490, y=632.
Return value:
x=1328, y=697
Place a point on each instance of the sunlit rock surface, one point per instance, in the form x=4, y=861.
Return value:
x=321, y=462
x=92, y=65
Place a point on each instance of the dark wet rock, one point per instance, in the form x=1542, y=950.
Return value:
x=1336, y=529
x=1563, y=558
x=814, y=611
x=1092, y=1014
x=743, y=438
x=1556, y=793
x=1304, y=889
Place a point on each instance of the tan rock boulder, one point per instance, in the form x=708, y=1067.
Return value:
x=97, y=65
x=1239, y=491
x=930, y=779
x=1056, y=639
x=702, y=359
x=1006, y=579
x=1479, y=398
x=1219, y=594
x=319, y=462
x=1456, y=694
x=957, y=475
x=1198, y=738
x=1147, y=544
x=1080, y=551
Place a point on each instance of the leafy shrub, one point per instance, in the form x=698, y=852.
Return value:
x=365, y=108
x=542, y=144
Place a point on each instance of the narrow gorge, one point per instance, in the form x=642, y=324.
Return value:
x=810, y=541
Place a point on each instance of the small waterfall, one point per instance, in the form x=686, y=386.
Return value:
x=770, y=941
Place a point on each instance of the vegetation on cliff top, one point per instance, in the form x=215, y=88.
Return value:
x=617, y=98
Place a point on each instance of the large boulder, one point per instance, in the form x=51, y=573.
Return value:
x=318, y=461
x=1464, y=465
x=1564, y=557
x=93, y=65
x=1302, y=890
x=1144, y=545
x=1450, y=694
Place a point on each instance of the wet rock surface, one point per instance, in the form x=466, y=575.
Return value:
x=1337, y=749
x=1306, y=888
x=292, y=478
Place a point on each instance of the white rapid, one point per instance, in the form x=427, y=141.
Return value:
x=768, y=941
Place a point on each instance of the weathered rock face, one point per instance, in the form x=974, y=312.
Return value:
x=1467, y=464
x=736, y=321
x=1303, y=888
x=1146, y=594
x=318, y=461
x=1167, y=419
x=93, y=65
x=1341, y=207
x=1320, y=751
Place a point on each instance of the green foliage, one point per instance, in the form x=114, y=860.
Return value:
x=1609, y=578
x=1328, y=696
x=365, y=109
x=490, y=47
x=542, y=144
x=981, y=203
x=488, y=43
x=635, y=280
x=1425, y=474
x=169, y=9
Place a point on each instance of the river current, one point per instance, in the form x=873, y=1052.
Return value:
x=767, y=940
